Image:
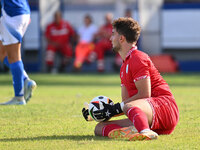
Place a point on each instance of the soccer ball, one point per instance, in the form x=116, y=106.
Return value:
x=96, y=104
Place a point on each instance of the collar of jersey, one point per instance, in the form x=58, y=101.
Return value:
x=130, y=51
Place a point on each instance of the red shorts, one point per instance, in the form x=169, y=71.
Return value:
x=165, y=114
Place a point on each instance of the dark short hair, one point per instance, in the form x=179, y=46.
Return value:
x=127, y=27
x=87, y=16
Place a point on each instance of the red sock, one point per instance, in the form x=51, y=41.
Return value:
x=107, y=128
x=138, y=117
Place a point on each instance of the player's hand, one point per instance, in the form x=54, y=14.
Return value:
x=108, y=111
x=85, y=113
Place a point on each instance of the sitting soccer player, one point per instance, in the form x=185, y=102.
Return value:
x=146, y=98
x=14, y=21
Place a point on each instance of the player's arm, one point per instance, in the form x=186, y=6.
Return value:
x=124, y=93
x=144, y=90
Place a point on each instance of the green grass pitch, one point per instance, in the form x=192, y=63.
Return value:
x=52, y=120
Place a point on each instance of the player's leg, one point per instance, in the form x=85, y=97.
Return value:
x=50, y=56
x=4, y=59
x=2, y=53
x=67, y=53
x=29, y=84
x=145, y=110
x=166, y=116
x=12, y=31
x=82, y=51
x=103, y=128
x=140, y=113
x=100, y=49
x=17, y=68
x=79, y=58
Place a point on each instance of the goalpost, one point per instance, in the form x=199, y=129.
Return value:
x=47, y=9
x=150, y=21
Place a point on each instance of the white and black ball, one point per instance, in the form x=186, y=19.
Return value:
x=96, y=104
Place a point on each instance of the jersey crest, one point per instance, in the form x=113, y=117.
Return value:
x=127, y=68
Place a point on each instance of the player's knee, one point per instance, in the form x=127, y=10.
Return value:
x=127, y=106
x=13, y=58
x=50, y=56
x=2, y=56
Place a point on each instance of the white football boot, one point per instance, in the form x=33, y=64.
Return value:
x=15, y=101
x=29, y=86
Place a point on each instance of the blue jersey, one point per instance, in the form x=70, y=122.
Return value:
x=15, y=7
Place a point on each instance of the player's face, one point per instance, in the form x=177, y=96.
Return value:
x=115, y=41
x=108, y=18
x=87, y=21
x=58, y=17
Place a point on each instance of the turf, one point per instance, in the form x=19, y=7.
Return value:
x=52, y=119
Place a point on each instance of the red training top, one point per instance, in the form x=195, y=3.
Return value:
x=59, y=33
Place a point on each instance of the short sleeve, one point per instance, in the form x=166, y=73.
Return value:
x=140, y=68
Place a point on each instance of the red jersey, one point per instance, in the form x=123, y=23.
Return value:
x=59, y=33
x=137, y=66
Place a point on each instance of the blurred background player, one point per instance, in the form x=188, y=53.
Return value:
x=58, y=35
x=13, y=24
x=128, y=13
x=103, y=43
x=85, y=42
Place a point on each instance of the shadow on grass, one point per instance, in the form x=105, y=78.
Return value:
x=55, y=137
